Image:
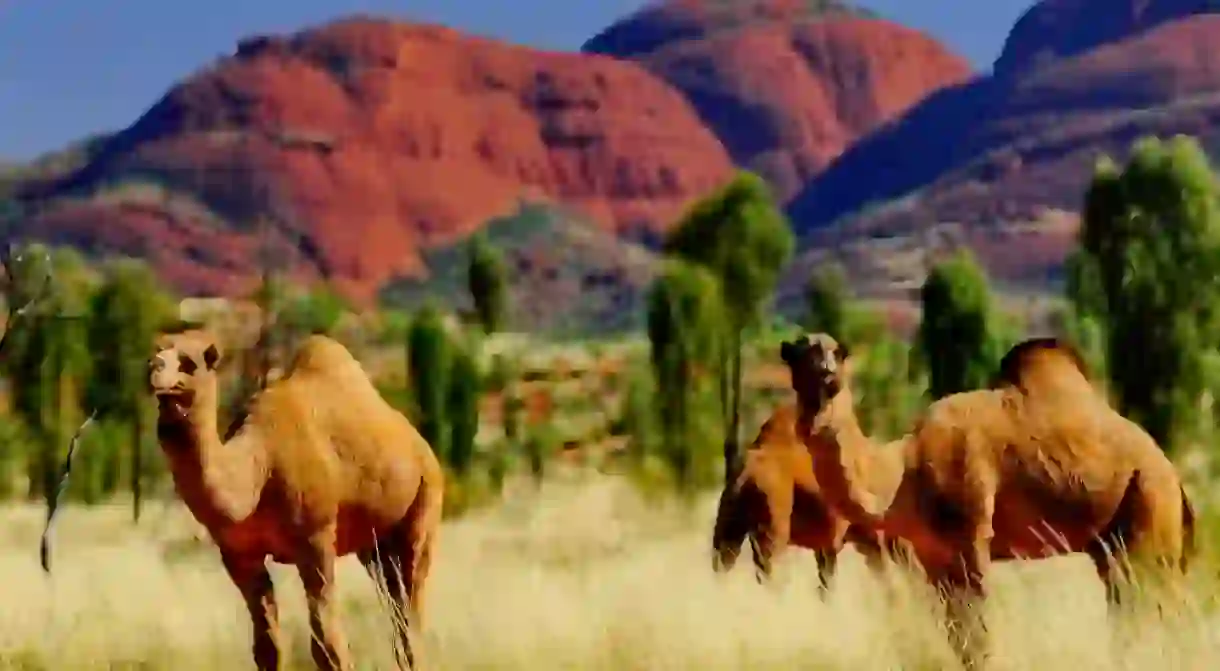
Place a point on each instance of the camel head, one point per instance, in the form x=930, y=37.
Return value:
x=182, y=371
x=819, y=365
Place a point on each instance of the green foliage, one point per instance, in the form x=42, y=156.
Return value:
x=638, y=417
x=541, y=443
x=429, y=360
x=317, y=311
x=393, y=327
x=488, y=281
x=740, y=235
x=1148, y=269
x=1087, y=334
x=826, y=299
x=743, y=238
x=961, y=337
x=686, y=329
x=886, y=403
x=47, y=353
x=124, y=315
x=462, y=410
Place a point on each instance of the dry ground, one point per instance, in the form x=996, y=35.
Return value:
x=578, y=576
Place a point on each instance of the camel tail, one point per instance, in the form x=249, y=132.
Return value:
x=731, y=528
x=1189, y=542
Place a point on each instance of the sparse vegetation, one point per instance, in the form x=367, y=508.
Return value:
x=550, y=558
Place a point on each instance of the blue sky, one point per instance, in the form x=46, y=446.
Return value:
x=73, y=67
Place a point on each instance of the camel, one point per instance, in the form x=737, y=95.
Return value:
x=771, y=497
x=1036, y=465
x=321, y=467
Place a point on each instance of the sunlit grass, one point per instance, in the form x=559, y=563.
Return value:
x=582, y=575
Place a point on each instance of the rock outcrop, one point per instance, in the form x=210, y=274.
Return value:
x=355, y=145
x=787, y=85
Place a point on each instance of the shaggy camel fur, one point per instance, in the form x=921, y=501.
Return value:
x=772, y=498
x=1035, y=466
x=321, y=467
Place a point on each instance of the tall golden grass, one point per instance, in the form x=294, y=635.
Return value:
x=582, y=574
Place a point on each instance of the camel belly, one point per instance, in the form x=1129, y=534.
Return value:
x=359, y=529
x=269, y=534
x=813, y=525
x=1035, y=527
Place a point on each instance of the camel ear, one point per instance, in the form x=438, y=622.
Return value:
x=844, y=352
x=211, y=356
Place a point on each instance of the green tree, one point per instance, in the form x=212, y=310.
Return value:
x=961, y=337
x=885, y=401
x=124, y=316
x=686, y=329
x=740, y=235
x=826, y=299
x=1148, y=269
x=429, y=361
x=638, y=416
x=46, y=354
x=488, y=281
x=316, y=311
x=462, y=409
x=1087, y=333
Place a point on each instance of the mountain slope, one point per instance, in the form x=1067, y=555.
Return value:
x=786, y=84
x=993, y=162
x=361, y=143
x=566, y=275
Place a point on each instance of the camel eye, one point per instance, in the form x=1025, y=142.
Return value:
x=186, y=365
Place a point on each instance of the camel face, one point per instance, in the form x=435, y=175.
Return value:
x=818, y=364
x=181, y=361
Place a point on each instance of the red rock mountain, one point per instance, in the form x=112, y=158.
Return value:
x=787, y=85
x=1000, y=163
x=363, y=141
x=358, y=144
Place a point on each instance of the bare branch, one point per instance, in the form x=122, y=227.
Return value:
x=18, y=311
x=61, y=486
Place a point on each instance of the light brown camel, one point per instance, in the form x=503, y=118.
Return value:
x=772, y=498
x=321, y=467
x=1035, y=466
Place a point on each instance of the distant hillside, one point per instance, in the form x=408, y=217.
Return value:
x=1000, y=163
x=567, y=275
x=786, y=85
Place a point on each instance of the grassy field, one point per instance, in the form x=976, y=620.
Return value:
x=580, y=575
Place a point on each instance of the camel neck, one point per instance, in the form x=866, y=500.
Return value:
x=841, y=453
x=220, y=482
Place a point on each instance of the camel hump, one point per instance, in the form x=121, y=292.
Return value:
x=321, y=354
x=1044, y=354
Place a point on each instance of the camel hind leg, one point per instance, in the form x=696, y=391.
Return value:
x=1152, y=528
x=734, y=519
x=403, y=560
x=828, y=562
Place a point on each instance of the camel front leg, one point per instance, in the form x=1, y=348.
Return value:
x=254, y=581
x=961, y=584
x=317, y=570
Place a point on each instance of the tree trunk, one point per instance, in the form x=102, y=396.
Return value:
x=730, y=394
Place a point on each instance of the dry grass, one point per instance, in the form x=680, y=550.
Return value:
x=583, y=575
